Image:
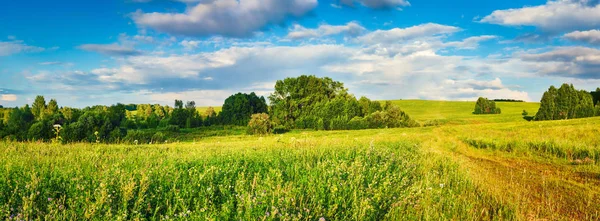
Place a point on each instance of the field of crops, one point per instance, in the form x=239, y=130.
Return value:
x=462, y=167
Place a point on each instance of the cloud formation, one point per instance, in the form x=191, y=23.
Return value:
x=555, y=16
x=110, y=49
x=377, y=4
x=231, y=18
x=398, y=35
x=416, y=69
x=590, y=37
x=571, y=62
x=15, y=47
x=300, y=32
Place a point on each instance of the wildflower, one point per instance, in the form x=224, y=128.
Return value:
x=49, y=199
x=441, y=185
x=267, y=214
x=57, y=126
x=322, y=219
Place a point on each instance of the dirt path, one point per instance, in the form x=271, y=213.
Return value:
x=539, y=191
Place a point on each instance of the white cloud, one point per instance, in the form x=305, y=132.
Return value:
x=398, y=35
x=390, y=64
x=377, y=4
x=16, y=47
x=471, y=42
x=554, y=16
x=230, y=18
x=8, y=97
x=110, y=49
x=350, y=29
x=189, y=45
x=572, y=62
x=591, y=36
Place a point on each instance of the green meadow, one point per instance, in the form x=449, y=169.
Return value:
x=459, y=166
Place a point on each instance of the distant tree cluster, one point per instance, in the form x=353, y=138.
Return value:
x=565, y=103
x=305, y=102
x=309, y=102
x=508, y=100
x=485, y=106
x=36, y=123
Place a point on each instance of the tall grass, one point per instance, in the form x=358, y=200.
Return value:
x=367, y=177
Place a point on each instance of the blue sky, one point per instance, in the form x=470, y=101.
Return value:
x=154, y=51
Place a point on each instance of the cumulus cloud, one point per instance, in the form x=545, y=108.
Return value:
x=189, y=45
x=471, y=42
x=554, y=16
x=15, y=47
x=591, y=36
x=110, y=49
x=572, y=62
x=377, y=4
x=231, y=18
x=415, y=70
x=398, y=35
x=350, y=29
x=8, y=97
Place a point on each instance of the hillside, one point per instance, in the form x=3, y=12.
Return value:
x=460, y=112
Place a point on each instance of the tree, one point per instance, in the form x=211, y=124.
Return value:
x=52, y=107
x=39, y=107
x=238, y=108
x=294, y=97
x=565, y=103
x=485, y=106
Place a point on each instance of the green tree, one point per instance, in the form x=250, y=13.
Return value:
x=565, y=103
x=39, y=107
x=238, y=108
x=294, y=98
x=485, y=106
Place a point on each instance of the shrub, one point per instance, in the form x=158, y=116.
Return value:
x=172, y=128
x=524, y=113
x=40, y=131
x=339, y=123
x=259, y=124
x=280, y=129
x=141, y=136
x=158, y=137
x=358, y=123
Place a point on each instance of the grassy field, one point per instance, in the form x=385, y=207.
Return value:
x=485, y=167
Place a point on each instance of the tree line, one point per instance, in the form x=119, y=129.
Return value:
x=305, y=102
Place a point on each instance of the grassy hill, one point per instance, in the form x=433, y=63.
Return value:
x=461, y=112
x=470, y=167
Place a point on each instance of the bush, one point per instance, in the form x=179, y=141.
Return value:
x=40, y=131
x=141, y=136
x=339, y=123
x=172, y=128
x=358, y=123
x=158, y=137
x=259, y=124
x=485, y=106
x=524, y=113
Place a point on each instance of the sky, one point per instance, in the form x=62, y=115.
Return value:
x=84, y=53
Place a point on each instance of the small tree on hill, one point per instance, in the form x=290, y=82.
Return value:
x=485, y=106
